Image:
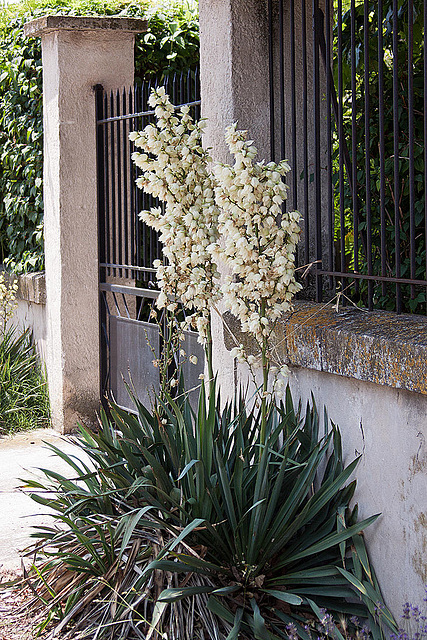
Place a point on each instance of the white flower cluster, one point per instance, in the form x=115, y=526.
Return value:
x=259, y=239
x=175, y=167
x=7, y=300
x=233, y=214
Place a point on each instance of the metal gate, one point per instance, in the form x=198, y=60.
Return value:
x=130, y=337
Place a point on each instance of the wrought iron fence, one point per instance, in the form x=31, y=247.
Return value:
x=127, y=246
x=348, y=80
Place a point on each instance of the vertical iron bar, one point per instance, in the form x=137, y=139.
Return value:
x=316, y=117
x=181, y=88
x=412, y=249
x=118, y=153
x=305, y=131
x=340, y=126
x=330, y=194
x=396, y=152
x=271, y=78
x=137, y=105
x=113, y=187
x=382, y=143
x=367, y=152
x=282, y=101
x=425, y=140
x=100, y=161
x=132, y=203
x=354, y=149
x=293, y=108
x=107, y=187
x=126, y=172
x=144, y=230
x=188, y=87
x=197, y=92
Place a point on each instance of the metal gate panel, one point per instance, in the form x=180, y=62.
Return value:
x=133, y=347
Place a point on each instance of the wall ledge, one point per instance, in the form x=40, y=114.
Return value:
x=379, y=347
x=31, y=286
x=47, y=24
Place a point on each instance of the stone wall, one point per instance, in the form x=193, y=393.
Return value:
x=78, y=53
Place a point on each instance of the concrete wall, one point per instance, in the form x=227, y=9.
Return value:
x=31, y=309
x=383, y=421
x=389, y=428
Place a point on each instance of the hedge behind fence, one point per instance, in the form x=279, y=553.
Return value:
x=170, y=44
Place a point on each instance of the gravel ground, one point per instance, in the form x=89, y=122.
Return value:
x=15, y=622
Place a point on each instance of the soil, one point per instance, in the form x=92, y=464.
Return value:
x=16, y=623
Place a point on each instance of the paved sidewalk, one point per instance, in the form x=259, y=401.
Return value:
x=20, y=457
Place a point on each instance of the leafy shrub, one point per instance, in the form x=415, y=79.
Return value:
x=186, y=525
x=171, y=43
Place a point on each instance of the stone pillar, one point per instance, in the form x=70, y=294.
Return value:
x=78, y=53
x=234, y=66
x=234, y=87
x=234, y=71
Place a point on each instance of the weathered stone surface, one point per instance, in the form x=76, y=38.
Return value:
x=32, y=287
x=45, y=24
x=377, y=347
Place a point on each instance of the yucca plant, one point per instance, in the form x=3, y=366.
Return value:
x=186, y=525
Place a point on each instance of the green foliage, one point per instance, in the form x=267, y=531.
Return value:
x=21, y=139
x=384, y=297
x=23, y=394
x=170, y=44
x=186, y=525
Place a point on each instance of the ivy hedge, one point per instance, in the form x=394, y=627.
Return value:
x=170, y=44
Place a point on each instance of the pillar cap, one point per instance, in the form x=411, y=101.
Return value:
x=47, y=24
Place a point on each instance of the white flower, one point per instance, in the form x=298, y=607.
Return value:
x=176, y=170
x=193, y=359
x=258, y=248
x=243, y=203
x=8, y=301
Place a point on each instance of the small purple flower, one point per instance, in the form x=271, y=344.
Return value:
x=406, y=611
x=415, y=612
x=291, y=631
x=327, y=622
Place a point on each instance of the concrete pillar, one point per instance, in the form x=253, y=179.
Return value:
x=234, y=87
x=234, y=70
x=234, y=66
x=78, y=53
